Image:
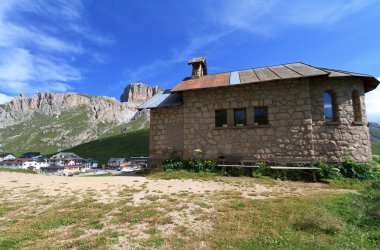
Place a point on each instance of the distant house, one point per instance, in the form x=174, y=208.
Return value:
x=90, y=163
x=65, y=159
x=288, y=113
x=115, y=162
x=66, y=163
x=14, y=163
x=7, y=156
x=34, y=165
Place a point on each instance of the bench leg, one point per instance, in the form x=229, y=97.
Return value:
x=314, y=177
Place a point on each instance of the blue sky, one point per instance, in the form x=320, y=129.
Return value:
x=98, y=47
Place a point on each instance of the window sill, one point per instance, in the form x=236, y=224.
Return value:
x=332, y=123
x=243, y=127
x=357, y=123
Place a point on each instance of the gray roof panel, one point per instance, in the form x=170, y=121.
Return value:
x=163, y=99
x=234, y=78
x=265, y=74
x=305, y=70
x=284, y=72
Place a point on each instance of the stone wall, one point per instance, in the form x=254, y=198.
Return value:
x=345, y=138
x=166, y=131
x=286, y=137
x=296, y=130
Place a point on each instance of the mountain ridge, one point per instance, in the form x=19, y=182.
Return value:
x=50, y=122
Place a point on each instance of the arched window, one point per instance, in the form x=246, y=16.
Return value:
x=329, y=105
x=356, y=106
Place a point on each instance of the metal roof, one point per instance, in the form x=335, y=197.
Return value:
x=271, y=73
x=163, y=99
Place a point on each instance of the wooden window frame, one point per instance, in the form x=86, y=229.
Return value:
x=245, y=117
x=226, y=123
x=267, y=115
x=356, y=106
x=334, y=107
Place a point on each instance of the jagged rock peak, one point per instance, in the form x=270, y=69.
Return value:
x=101, y=108
x=138, y=93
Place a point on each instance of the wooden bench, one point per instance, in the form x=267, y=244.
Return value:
x=252, y=163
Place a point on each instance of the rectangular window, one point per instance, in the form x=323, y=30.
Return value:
x=261, y=115
x=221, y=118
x=240, y=117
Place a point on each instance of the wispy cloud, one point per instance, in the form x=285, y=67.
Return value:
x=266, y=18
x=38, y=41
x=5, y=98
x=372, y=100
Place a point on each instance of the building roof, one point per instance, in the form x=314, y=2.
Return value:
x=271, y=73
x=66, y=156
x=163, y=99
x=5, y=154
x=117, y=159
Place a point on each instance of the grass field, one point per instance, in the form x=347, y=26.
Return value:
x=125, y=145
x=239, y=213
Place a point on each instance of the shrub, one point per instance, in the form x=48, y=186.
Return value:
x=194, y=165
x=359, y=171
x=262, y=170
x=376, y=158
x=173, y=164
x=328, y=171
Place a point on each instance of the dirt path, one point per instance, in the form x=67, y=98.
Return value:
x=108, y=189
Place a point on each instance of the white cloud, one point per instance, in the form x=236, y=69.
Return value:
x=261, y=17
x=24, y=68
x=37, y=55
x=5, y=98
x=372, y=100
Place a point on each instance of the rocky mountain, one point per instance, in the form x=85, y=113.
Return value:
x=138, y=93
x=49, y=122
x=374, y=130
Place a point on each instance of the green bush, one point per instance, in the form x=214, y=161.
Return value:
x=173, y=164
x=347, y=169
x=262, y=170
x=376, y=158
x=193, y=165
x=358, y=171
x=328, y=171
x=199, y=165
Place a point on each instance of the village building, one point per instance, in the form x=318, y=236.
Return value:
x=66, y=163
x=34, y=165
x=7, y=156
x=286, y=113
x=65, y=159
x=115, y=162
x=91, y=163
x=67, y=170
x=13, y=163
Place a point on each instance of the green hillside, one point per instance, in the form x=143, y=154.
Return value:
x=374, y=130
x=134, y=143
x=49, y=134
x=376, y=148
